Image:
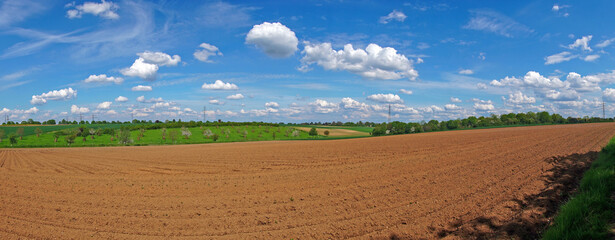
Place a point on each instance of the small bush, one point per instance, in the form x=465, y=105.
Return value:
x=186, y=132
x=12, y=139
x=326, y=133
x=215, y=137
x=70, y=139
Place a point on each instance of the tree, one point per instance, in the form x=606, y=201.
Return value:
x=20, y=133
x=544, y=117
x=215, y=137
x=38, y=132
x=1, y=134
x=186, y=132
x=12, y=139
x=164, y=134
x=92, y=132
x=326, y=133
x=173, y=135
x=313, y=132
x=125, y=136
x=70, y=139
x=208, y=133
x=295, y=133
x=56, y=136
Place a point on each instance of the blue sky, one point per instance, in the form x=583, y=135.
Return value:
x=297, y=61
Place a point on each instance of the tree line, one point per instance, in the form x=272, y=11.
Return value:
x=511, y=119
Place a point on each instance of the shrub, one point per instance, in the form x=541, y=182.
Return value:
x=326, y=133
x=273, y=135
x=125, y=136
x=164, y=134
x=70, y=139
x=215, y=137
x=313, y=132
x=1, y=134
x=12, y=139
x=295, y=133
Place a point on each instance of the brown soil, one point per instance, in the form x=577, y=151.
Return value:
x=488, y=183
x=335, y=132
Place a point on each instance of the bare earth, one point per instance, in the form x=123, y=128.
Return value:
x=417, y=186
x=335, y=132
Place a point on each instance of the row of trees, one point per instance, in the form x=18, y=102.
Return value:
x=510, y=119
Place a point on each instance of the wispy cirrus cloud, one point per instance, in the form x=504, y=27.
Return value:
x=491, y=21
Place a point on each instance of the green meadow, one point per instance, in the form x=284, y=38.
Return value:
x=147, y=137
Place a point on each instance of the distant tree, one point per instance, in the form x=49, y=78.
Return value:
x=12, y=139
x=208, y=133
x=124, y=137
x=92, y=132
x=173, y=135
x=544, y=117
x=70, y=139
x=186, y=132
x=20, y=133
x=313, y=132
x=56, y=136
x=326, y=133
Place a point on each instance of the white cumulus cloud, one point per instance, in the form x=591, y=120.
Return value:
x=235, y=96
x=121, y=99
x=385, y=98
x=275, y=39
x=207, y=51
x=219, y=85
x=519, y=98
x=609, y=94
x=591, y=58
x=140, y=68
x=102, y=78
x=215, y=102
x=77, y=110
x=272, y=105
x=104, y=9
x=62, y=94
x=582, y=43
x=374, y=62
x=455, y=100
x=141, y=88
x=322, y=106
x=159, y=58
x=104, y=105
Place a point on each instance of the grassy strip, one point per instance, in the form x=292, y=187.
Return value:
x=587, y=214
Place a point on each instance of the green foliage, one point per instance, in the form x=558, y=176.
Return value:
x=20, y=132
x=326, y=133
x=215, y=137
x=70, y=139
x=38, y=132
x=510, y=119
x=12, y=139
x=588, y=213
x=124, y=136
x=313, y=132
x=1, y=134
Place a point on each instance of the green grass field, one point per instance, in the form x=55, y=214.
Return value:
x=588, y=213
x=359, y=129
x=29, y=130
x=154, y=137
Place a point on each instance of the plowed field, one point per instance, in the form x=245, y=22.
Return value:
x=420, y=186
